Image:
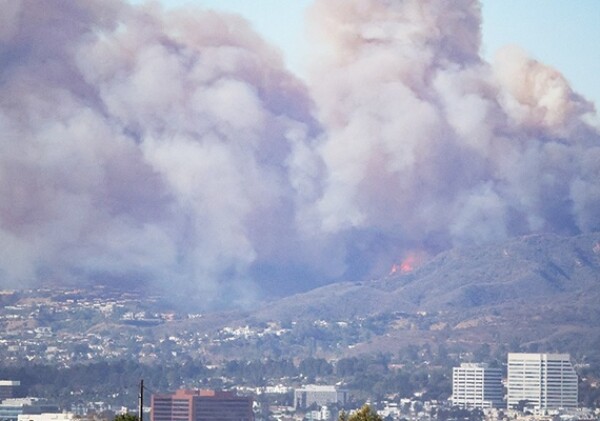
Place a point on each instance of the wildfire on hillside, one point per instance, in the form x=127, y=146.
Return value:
x=411, y=261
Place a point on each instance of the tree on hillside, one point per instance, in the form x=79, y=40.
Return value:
x=126, y=417
x=363, y=414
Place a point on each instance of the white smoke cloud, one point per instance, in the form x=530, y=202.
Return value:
x=431, y=146
x=139, y=143
x=173, y=147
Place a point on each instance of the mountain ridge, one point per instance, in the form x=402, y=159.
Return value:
x=544, y=264
x=540, y=288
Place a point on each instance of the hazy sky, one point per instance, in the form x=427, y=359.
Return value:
x=562, y=34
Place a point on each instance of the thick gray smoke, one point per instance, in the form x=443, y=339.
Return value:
x=427, y=146
x=173, y=148
x=140, y=144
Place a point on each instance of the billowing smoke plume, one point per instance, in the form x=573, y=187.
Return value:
x=143, y=144
x=427, y=146
x=173, y=148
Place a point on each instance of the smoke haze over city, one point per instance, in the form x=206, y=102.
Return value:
x=174, y=148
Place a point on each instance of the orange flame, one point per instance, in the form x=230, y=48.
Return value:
x=410, y=263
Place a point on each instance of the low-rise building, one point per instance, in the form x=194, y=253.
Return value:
x=201, y=405
x=63, y=416
x=319, y=395
x=10, y=409
x=8, y=389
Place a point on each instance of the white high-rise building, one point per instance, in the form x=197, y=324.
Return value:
x=477, y=386
x=541, y=381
